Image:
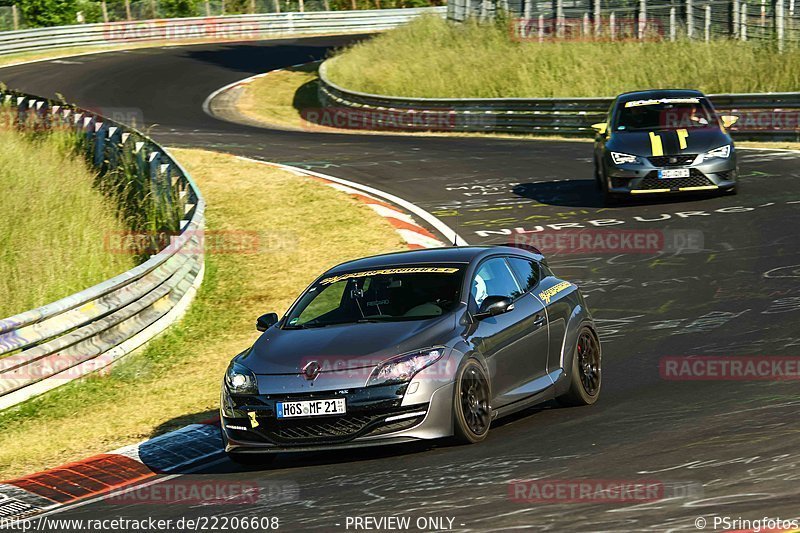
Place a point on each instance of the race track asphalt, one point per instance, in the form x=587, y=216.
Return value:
x=726, y=448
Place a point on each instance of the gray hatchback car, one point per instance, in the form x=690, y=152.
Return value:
x=663, y=142
x=409, y=346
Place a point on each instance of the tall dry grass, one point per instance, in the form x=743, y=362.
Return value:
x=431, y=57
x=52, y=222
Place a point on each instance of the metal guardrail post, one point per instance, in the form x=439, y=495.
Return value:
x=128, y=15
x=735, y=19
x=780, y=22
x=104, y=10
x=15, y=16
x=612, y=25
x=689, y=19
x=707, y=26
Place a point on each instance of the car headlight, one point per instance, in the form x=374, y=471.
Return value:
x=240, y=379
x=402, y=368
x=723, y=152
x=620, y=159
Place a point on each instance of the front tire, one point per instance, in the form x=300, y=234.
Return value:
x=586, y=377
x=472, y=414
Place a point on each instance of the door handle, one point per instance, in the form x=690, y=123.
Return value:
x=538, y=320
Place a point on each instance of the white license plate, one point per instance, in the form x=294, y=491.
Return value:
x=673, y=173
x=311, y=408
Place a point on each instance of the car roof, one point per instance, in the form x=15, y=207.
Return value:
x=659, y=93
x=451, y=254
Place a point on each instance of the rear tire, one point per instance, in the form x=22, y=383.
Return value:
x=586, y=376
x=472, y=414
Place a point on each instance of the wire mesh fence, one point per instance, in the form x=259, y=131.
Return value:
x=760, y=20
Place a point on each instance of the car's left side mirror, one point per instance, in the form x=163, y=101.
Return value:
x=600, y=128
x=729, y=120
x=264, y=322
x=494, y=305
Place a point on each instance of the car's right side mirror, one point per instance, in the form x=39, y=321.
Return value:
x=600, y=128
x=264, y=322
x=494, y=305
x=729, y=120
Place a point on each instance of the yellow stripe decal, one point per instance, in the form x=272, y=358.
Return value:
x=703, y=188
x=647, y=191
x=682, y=134
x=655, y=143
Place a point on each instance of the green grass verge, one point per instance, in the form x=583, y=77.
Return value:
x=430, y=57
x=305, y=226
x=54, y=222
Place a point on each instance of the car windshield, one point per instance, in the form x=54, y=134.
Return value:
x=408, y=292
x=665, y=114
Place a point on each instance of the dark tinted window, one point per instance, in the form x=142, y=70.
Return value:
x=665, y=114
x=493, y=278
x=527, y=272
x=409, y=292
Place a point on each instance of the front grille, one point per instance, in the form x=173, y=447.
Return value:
x=284, y=431
x=680, y=160
x=695, y=179
x=334, y=429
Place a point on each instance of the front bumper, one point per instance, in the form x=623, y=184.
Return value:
x=375, y=415
x=713, y=175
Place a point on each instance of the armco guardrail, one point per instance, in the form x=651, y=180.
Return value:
x=768, y=116
x=232, y=27
x=46, y=347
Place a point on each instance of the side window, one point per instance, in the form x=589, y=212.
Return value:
x=493, y=278
x=527, y=272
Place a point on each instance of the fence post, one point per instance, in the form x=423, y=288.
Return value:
x=743, y=20
x=302, y=6
x=707, y=26
x=642, y=26
x=558, y=9
x=327, y=5
x=689, y=19
x=780, y=21
x=223, y=7
x=673, y=32
x=612, y=26
x=252, y=7
x=541, y=28
x=277, y=6
x=586, y=27
x=596, y=15
x=208, y=8
x=104, y=9
x=128, y=10
x=15, y=15
x=735, y=19
x=526, y=11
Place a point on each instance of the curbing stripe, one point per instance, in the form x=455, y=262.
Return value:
x=104, y=473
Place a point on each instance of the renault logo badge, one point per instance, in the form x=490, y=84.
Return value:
x=311, y=370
